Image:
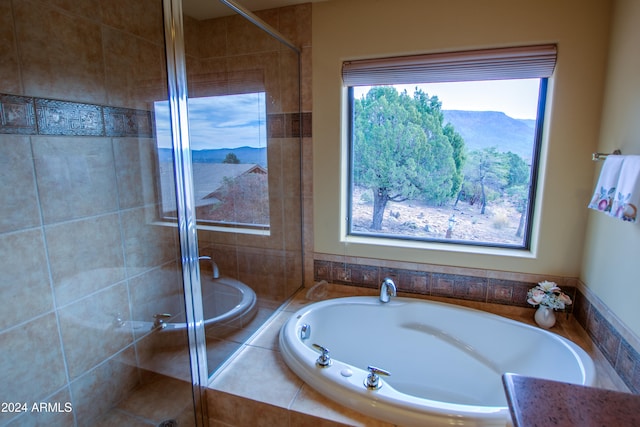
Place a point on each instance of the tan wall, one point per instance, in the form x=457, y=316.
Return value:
x=349, y=29
x=610, y=263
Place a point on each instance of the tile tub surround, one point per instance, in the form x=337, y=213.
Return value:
x=257, y=388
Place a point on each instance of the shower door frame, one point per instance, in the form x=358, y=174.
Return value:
x=185, y=204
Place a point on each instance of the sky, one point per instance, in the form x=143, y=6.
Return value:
x=229, y=121
x=515, y=98
x=234, y=121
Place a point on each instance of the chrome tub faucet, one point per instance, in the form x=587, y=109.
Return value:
x=387, y=290
x=214, y=266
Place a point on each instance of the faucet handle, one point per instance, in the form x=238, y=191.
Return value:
x=372, y=382
x=161, y=316
x=159, y=320
x=323, y=360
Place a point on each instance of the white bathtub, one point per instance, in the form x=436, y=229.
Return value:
x=445, y=361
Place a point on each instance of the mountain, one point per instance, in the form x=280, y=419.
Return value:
x=485, y=129
x=244, y=154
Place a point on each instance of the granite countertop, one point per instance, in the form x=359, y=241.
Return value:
x=540, y=402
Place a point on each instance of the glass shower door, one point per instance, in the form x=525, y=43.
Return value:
x=96, y=322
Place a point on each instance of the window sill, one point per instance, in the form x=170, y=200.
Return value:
x=440, y=247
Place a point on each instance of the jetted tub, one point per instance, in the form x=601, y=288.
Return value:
x=445, y=361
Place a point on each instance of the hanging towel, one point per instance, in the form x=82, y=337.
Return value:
x=627, y=197
x=605, y=191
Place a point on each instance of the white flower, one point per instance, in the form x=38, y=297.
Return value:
x=548, y=294
x=548, y=286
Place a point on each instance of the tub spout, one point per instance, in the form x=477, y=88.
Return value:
x=214, y=266
x=387, y=289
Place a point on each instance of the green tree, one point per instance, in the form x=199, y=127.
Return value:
x=486, y=176
x=231, y=158
x=400, y=149
x=519, y=173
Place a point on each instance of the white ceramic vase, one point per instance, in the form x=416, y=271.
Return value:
x=545, y=317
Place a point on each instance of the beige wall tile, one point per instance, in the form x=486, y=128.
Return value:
x=87, y=8
x=135, y=70
x=19, y=208
x=214, y=31
x=289, y=80
x=157, y=291
x=100, y=389
x=9, y=66
x=295, y=23
x=135, y=160
x=142, y=18
x=85, y=256
x=32, y=366
x=25, y=291
x=146, y=244
x=76, y=177
x=264, y=272
x=244, y=37
x=59, y=64
x=90, y=332
x=306, y=79
x=207, y=77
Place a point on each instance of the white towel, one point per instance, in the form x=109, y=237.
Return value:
x=605, y=191
x=627, y=199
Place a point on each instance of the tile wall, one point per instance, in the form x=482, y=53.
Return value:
x=79, y=252
x=230, y=55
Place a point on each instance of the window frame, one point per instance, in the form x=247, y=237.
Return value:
x=528, y=231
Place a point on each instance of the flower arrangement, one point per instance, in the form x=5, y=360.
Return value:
x=548, y=294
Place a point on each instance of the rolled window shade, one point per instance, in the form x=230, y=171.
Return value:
x=523, y=62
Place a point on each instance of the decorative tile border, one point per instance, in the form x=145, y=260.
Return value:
x=618, y=346
x=289, y=125
x=24, y=115
x=127, y=122
x=17, y=115
x=457, y=286
x=68, y=118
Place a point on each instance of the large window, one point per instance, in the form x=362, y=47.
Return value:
x=446, y=148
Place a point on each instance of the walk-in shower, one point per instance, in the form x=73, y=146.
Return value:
x=99, y=220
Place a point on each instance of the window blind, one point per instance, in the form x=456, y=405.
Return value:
x=522, y=62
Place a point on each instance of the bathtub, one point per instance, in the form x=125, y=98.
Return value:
x=445, y=361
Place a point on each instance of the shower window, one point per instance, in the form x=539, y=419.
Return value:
x=229, y=157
